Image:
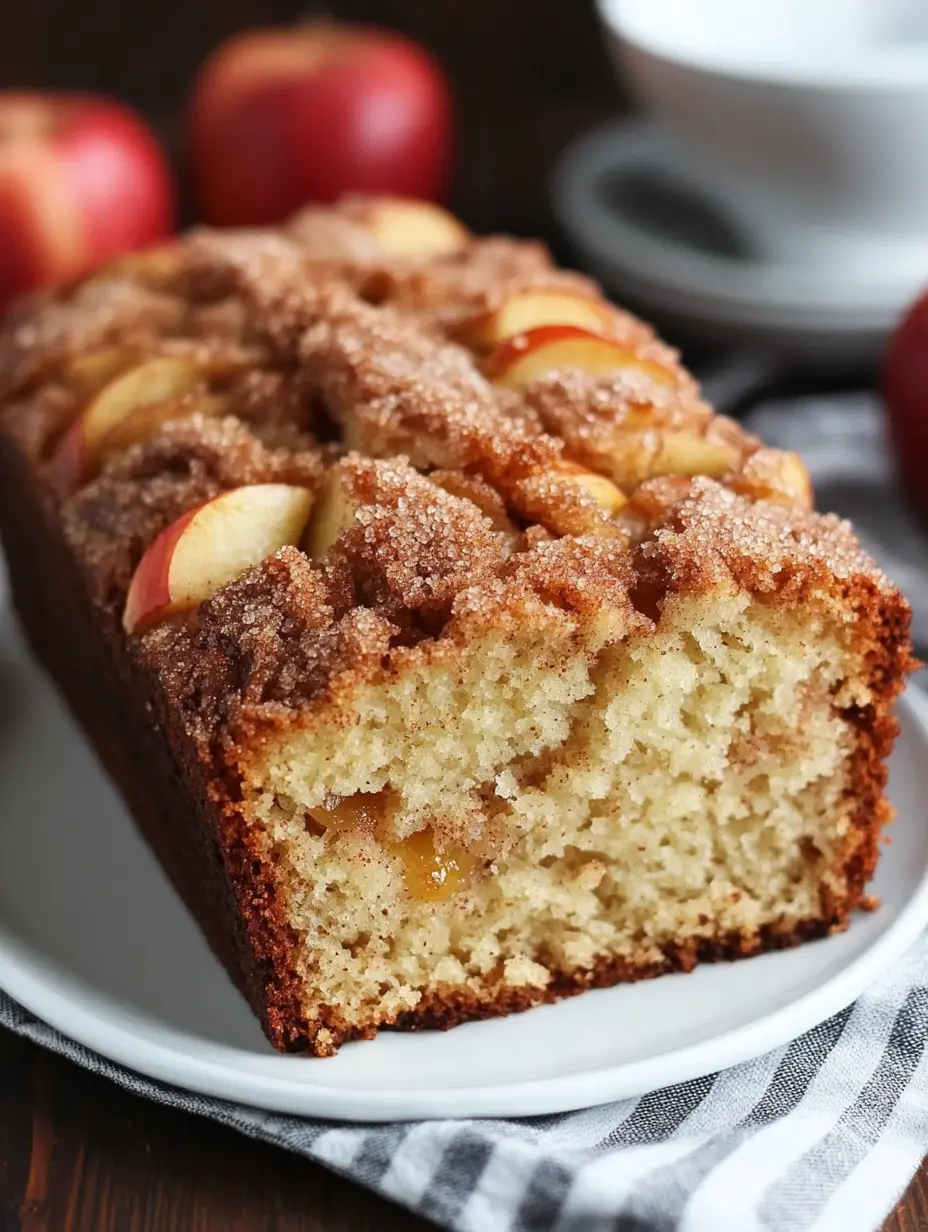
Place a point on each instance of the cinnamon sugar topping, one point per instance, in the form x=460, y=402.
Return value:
x=316, y=340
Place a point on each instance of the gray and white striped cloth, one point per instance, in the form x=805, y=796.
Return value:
x=821, y=1135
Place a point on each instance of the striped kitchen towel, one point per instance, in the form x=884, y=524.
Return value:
x=821, y=1135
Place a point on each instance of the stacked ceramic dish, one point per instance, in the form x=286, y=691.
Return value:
x=773, y=192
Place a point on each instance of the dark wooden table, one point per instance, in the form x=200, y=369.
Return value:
x=79, y=1155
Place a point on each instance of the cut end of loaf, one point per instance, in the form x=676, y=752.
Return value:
x=589, y=761
x=532, y=811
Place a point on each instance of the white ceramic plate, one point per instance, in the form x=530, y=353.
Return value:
x=93, y=939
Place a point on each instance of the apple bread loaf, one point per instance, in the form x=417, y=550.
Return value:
x=451, y=653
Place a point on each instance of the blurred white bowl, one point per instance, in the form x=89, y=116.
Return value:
x=806, y=118
x=678, y=259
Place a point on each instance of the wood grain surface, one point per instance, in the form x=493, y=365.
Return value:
x=77, y=1154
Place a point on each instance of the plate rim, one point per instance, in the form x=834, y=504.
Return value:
x=98, y=1022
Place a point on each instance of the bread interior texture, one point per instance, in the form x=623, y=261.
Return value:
x=543, y=801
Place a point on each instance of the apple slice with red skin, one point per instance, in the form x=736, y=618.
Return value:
x=531, y=309
x=131, y=394
x=415, y=229
x=682, y=453
x=88, y=372
x=154, y=266
x=603, y=491
x=145, y=420
x=211, y=545
x=551, y=348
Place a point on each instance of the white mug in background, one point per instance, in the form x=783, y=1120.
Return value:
x=804, y=119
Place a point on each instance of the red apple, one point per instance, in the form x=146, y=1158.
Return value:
x=211, y=545
x=81, y=180
x=905, y=390
x=279, y=118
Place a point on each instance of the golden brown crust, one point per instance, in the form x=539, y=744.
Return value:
x=445, y=1008
x=448, y=1009
x=469, y=501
